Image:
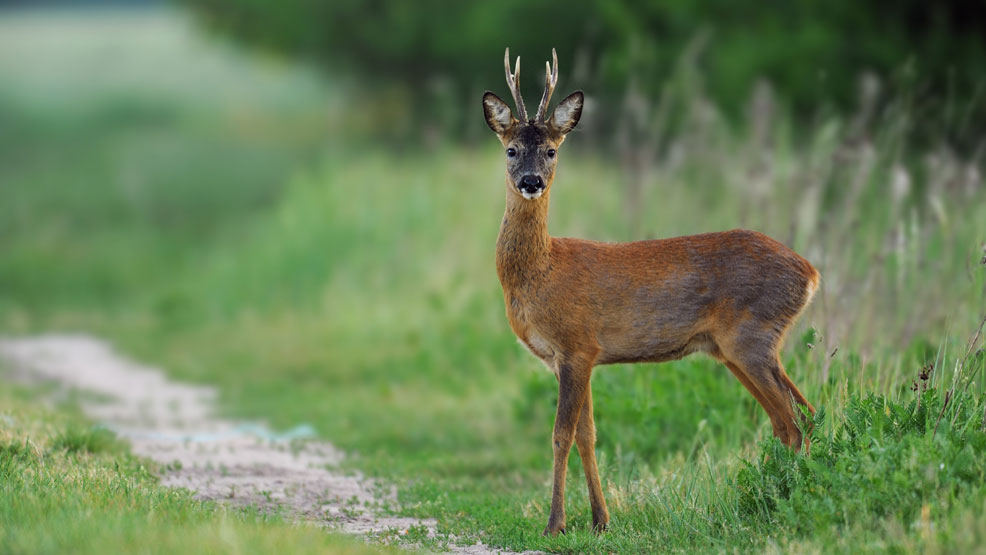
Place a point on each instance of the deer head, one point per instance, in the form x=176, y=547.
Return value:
x=531, y=144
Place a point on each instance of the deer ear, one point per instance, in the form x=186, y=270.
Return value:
x=567, y=113
x=498, y=114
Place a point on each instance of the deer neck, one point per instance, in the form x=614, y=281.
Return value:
x=523, y=247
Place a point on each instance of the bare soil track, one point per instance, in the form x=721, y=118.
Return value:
x=218, y=459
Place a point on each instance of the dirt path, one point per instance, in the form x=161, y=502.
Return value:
x=223, y=460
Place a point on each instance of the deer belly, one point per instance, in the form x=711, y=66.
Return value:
x=652, y=340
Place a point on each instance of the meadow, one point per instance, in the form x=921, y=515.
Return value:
x=209, y=213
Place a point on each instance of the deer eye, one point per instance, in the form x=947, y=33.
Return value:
x=511, y=152
x=551, y=153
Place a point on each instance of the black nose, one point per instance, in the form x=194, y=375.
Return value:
x=531, y=184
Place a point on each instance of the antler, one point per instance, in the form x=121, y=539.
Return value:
x=550, y=80
x=513, y=81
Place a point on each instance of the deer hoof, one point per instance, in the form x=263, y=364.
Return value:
x=549, y=531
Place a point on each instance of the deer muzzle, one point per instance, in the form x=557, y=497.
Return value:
x=531, y=186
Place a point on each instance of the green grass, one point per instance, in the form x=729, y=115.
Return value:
x=353, y=288
x=68, y=487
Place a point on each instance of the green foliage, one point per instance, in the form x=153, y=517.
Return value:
x=94, y=439
x=887, y=458
x=813, y=52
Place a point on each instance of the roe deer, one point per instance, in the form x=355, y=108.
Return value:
x=577, y=304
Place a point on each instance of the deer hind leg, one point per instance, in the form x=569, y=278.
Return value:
x=773, y=400
x=761, y=372
x=801, y=402
x=585, y=440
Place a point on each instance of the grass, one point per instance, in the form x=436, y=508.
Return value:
x=70, y=487
x=215, y=231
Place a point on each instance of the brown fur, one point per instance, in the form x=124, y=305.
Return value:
x=578, y=304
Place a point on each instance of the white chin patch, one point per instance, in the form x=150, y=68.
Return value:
x=531, y=196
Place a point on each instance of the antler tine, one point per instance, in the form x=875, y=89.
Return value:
x=550, y=80
x=513, y=81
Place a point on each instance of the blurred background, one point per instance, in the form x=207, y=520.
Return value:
x=299, y=200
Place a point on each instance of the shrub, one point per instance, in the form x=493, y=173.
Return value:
x=886, y=458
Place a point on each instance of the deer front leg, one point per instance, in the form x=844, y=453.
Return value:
x=573, y=384
x=585, y=440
